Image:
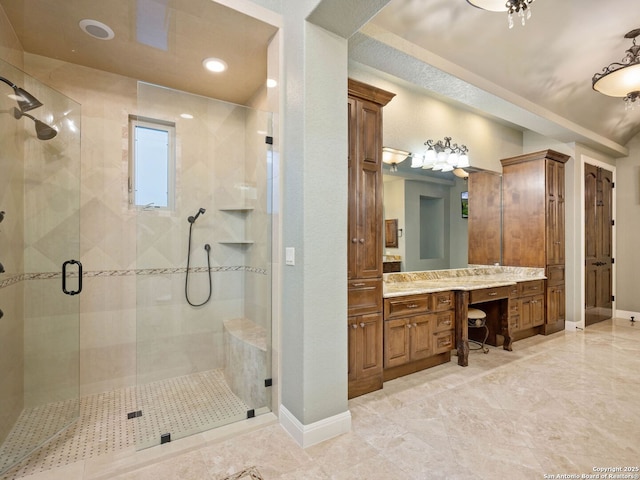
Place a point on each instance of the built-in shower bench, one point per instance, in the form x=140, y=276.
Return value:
x=246, y=360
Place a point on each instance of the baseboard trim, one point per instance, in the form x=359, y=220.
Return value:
x=627, y=315
x=317, y=432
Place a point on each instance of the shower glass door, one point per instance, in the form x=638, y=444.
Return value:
x=39, y=232
x=203, y=339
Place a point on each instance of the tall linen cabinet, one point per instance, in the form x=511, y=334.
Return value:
x=533, y=228
x=365, y=224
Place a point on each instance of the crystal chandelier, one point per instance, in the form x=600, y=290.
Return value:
x=622, y=79
x=442, y=156
x=519, y=8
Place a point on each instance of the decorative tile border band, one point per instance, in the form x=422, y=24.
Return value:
x=126, y=273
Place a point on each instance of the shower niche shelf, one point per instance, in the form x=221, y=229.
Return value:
x=236, y=208
x=241, y=210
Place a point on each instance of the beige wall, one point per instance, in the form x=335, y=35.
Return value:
x=138, y=327
x=628, y=228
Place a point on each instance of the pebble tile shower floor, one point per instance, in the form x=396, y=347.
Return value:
x=187, y=404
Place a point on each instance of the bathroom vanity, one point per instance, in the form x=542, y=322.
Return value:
x=425, y=313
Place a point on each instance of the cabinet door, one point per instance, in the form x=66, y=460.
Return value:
x=396, y=342
x=369, y=345
x=421, y=336
x=526, y=311
x=537, y=310
x=369, y=191
x=555, y=304
x=555, y=213
x=352, y=222
x=352, y=336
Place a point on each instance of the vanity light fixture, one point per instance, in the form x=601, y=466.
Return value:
x=622, y=79
x=393, y=156
x=214, y=65
x=443, y=156
x=521, y=8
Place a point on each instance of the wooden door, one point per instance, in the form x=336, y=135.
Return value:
x=421, y=336
x=368, y=340
x=369, y=191
x=396, y=342
x=555, y=213
x=598, y=227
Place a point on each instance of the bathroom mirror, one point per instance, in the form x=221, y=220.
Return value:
x=427, y=206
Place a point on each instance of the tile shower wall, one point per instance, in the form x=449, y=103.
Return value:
x=11, y=241
x=140, y=324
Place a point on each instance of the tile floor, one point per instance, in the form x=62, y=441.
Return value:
x=558, y=405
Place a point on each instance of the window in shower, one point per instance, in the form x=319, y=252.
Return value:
x=151, y=163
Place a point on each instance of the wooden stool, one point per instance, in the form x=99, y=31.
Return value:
x=478, y=319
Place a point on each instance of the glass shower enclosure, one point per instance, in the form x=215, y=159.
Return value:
x=40, y=274
x=203, y=334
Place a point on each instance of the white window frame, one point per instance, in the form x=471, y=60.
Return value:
x=155, y=124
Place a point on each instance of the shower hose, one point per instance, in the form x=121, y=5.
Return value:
x=207, y=247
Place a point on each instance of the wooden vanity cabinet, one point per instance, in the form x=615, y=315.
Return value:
x=533, y=228
x=526, y=309
x=364, y=242
x=418, y=332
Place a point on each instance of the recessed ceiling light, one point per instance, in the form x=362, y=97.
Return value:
x=214, y=64
x=96, y=29
x=188, y=116
x=271, y=83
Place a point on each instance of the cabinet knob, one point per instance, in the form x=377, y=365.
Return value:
x=408, y=325
x=415, y=325
x=362, y=325
x=354, y=240
x=362, y=240
x=354, y=326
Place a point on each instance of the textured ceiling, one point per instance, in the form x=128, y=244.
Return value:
x=548, y=63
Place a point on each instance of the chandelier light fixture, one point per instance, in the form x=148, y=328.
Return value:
x=622, y=79
x=519, y=8
x=442, y=156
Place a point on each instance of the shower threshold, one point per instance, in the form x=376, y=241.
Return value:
x=180, y=406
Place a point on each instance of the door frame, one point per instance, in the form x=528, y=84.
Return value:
x=584, y=159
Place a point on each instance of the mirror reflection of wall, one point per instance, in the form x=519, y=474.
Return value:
x=429, y=212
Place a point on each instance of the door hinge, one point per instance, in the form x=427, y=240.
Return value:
x=613, y=298
x=268, y=140
x=613, y=222
x=613, y=184
x=268, y=382
x=613, y=260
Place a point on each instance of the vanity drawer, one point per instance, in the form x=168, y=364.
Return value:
x=443, y=342
x=406, y=305
x=488, y=294
x=555, y=275
x=534, y=287
x=442, y=301
x=364, y=296
x=443, y=321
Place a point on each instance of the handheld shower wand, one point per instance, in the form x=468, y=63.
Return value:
x=192, y=219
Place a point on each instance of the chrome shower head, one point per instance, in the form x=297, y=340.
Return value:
x=43, y=131
x=25, y=100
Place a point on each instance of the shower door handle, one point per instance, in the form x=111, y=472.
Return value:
x=64, y=277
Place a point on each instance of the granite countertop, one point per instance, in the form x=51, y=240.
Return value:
x=391, y=258
x=472, y=278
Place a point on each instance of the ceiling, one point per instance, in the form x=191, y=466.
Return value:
x=158, y=41
x=536, y=77
x=545, y=66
